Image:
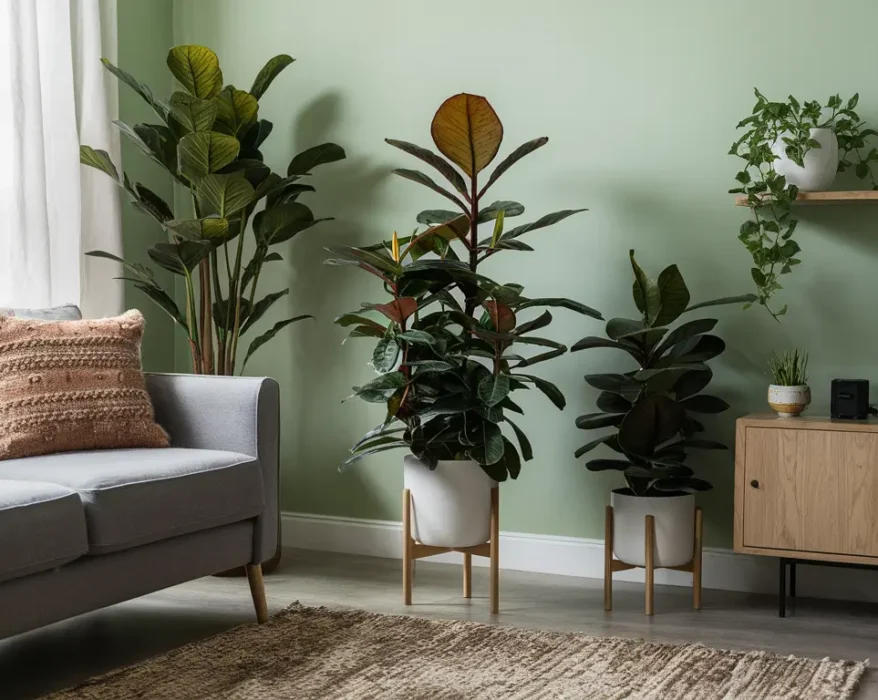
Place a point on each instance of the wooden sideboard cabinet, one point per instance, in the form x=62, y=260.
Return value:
x=806, y=489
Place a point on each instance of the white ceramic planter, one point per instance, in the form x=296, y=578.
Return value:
x=789, y=401
x=451, y=505
x=821, y=164
x=674, y=528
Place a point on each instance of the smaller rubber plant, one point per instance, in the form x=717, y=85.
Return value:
x=789, y=368
x=768, y=234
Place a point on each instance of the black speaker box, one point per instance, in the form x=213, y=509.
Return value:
x=850, y=398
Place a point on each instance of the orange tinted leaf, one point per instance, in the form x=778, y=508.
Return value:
x=398, y=310
x=501, y=315
x=467, y=130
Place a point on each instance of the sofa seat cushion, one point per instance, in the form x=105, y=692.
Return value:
x=136, y=496
x=41, y=526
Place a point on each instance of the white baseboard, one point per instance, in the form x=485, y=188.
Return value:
x=577, y=556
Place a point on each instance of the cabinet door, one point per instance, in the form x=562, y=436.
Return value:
x=811, y=490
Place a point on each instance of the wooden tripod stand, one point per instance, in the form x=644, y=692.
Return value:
x=611, y=564
x=412, y=550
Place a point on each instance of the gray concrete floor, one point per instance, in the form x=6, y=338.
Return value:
x=69, y=652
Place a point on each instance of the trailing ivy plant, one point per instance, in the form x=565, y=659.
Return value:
x=650, y=407
x=208, y=138
x=448, y=338
x=768, y=235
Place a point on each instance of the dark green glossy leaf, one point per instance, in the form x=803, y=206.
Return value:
x=260, y=307
x=613, y=403
x=307, y=160
x=590, y=421
x=542, y=222
x=523, y=443
x=386, y=354
x=513, y=158
x=601, y=465
x=269, y=334
x=427, y=181
x=434, y=160
x=493, y=210
x=588, y=447
x=268, y=73
x=674, y=296
x=493, y=389
x=550, y=390
x=741, y=299
x=140, y=88
x=650, y=422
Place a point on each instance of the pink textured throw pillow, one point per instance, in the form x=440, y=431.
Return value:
x=73, y=385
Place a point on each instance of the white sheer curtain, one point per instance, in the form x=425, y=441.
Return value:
x=55, y=95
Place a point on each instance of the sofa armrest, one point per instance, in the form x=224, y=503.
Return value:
x=237, y=414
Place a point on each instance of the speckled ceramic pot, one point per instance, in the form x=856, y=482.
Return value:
x=789, y=401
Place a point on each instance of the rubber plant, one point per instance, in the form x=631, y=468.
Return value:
x=650, y=408
x=448, y=338
x=768, y=234
x=208, y=137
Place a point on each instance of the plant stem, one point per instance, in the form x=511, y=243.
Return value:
x=473, y=239
x=236, y=329
x=194, y=342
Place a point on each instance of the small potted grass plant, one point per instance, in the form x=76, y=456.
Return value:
x=790, y=393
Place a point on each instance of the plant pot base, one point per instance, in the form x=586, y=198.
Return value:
x=412, y=551
x=612, y=564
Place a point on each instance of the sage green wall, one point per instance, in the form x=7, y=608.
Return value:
x=145, y=35
x=640, y=99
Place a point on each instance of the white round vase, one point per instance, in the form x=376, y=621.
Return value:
x=674, y=528
x=451, y=504
x=789, y=401
x=821, y=164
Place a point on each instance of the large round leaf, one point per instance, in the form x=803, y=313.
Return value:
x=197, y=69
x=652, y=421
x=224, y=194
x=467, y=130
x=674, y=296
x=282, y=222
x=206, y=152
x=236, y=111
x=193, y=113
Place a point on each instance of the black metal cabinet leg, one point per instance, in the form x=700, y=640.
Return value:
x=782, y=588
x=792, y=579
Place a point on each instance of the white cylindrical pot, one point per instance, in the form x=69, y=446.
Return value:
x=451, y=504
x=821, y=164
x=674, y=528
x=789, y=401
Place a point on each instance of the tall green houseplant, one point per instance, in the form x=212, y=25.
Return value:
x=208, y=137
x=449, y=338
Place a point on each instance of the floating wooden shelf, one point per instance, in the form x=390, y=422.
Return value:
x=827, y=198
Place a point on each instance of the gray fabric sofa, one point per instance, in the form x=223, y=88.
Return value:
x=83, y=530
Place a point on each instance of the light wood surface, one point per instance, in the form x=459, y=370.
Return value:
x=257, y=591
x=650, y=564
x=826, y=198
x=608, y=558
x=407, y=542
x=807, y=488
x=696, y=559
x=413, y=550
x=495, y=550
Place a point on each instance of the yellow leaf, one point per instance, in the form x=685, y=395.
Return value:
x=395, y=250
x=467, y=130
x=498, y=227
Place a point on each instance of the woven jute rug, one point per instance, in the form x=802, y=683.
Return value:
x=317, y=653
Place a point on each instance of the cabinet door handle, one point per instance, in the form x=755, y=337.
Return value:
x=754, y=484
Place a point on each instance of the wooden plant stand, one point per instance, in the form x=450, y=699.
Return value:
x=412, y=551
x=611, y=564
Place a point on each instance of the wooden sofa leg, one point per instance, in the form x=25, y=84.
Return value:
x=257, y=590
